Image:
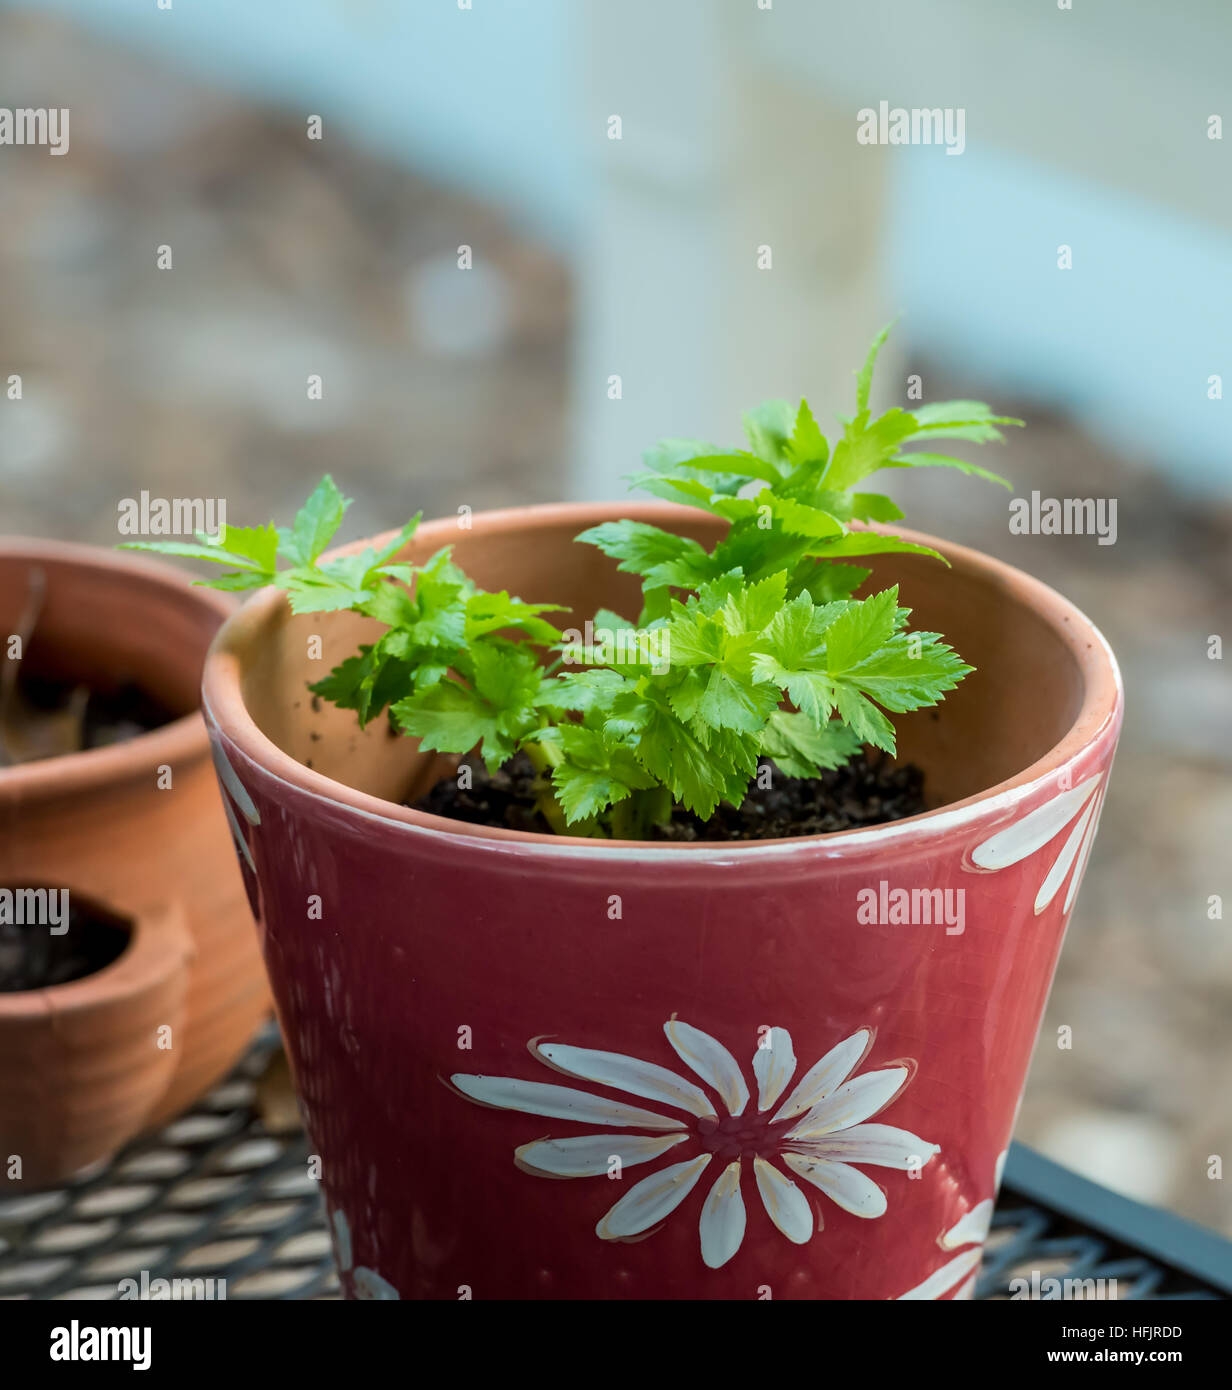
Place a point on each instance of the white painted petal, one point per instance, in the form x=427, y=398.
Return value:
x=629, y=1074
x=847, y=1187
x=237, y=834
x=833, y=1069
x=943, y=1280
x=369, y=1285
x=711, y=1061
x=882, y=1145
x=655, y=1197
x=999, y=1170
x=723, y=1218
x=1056, y=875
x=1080, y=867
x=967, y=1290
x=342, y=1240
x=971, y=1229
x=1035, y=829
x=229, y=778
x=785, y=1204
x=590, y=1155
x=774, y=1064
x=853, y=1102
x=556, y=1102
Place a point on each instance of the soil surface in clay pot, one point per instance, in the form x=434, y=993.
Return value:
x=45, y=714
x=860, y=794
x=33, y=957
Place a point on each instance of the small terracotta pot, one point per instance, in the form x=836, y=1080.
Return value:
x=98, y=823
x=541, y=1067
x=81, y=1068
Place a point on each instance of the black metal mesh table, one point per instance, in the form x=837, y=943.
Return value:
x=217, y=1195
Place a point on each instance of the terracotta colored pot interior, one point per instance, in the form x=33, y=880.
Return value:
x=1042, y=673
x=99, y=938
x=80, y=632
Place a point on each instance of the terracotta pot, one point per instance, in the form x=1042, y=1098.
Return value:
x=753, y=1088
x=98, y=823
x=81, y=1070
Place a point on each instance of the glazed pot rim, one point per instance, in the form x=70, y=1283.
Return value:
x=1103, y=697
x=181, y=738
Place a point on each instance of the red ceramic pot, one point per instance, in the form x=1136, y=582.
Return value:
x=540, y=1067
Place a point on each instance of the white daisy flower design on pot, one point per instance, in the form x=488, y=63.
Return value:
x=967, y=1235
x=818, y=1133
x=366, y=1282
x=235, y=795
x=1080, y=807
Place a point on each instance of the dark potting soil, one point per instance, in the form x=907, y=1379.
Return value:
x=862, y=793
x=34, y=956
x=50, y=715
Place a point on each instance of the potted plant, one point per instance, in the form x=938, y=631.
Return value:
x=129, y=980
x=562, y=1026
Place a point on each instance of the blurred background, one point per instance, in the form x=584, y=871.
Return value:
x=619, y=172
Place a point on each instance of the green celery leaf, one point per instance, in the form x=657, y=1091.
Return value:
x=614, y=622
x=697, y=775
x=732, y=702
x=215, y=554
x=825, y=581
x=768, y=428
x=759, y=552
x=800, y=747
x=669, y=487
x=807, y=444
x=312, y=592
x=315, y=524
x=367, y=682
x=800, y=519
x=496, y=714
x=864, y=377
x=496, y=612
x=922, y=460
x=257, y=544
x=864, y=719
x=866, y=447
x=909, y=671
x=391, y=604
x=581, y=691
x=737, y=463
x=594, y=774
x=696, y=638
x=669, y=456
x=858, y=542
x=660, y=557
x=712, y=595
x=447, y=717
x=941, y=413
x=872, y=506
x=399, y=541
x=791, y=654
x=238, y=581
x=506, y=674
x=751, y=607
x=861, y=629
x=343, y=684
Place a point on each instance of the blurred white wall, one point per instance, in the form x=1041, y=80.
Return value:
x=1125, y=342
x=1084, y=126
x=483, y=99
